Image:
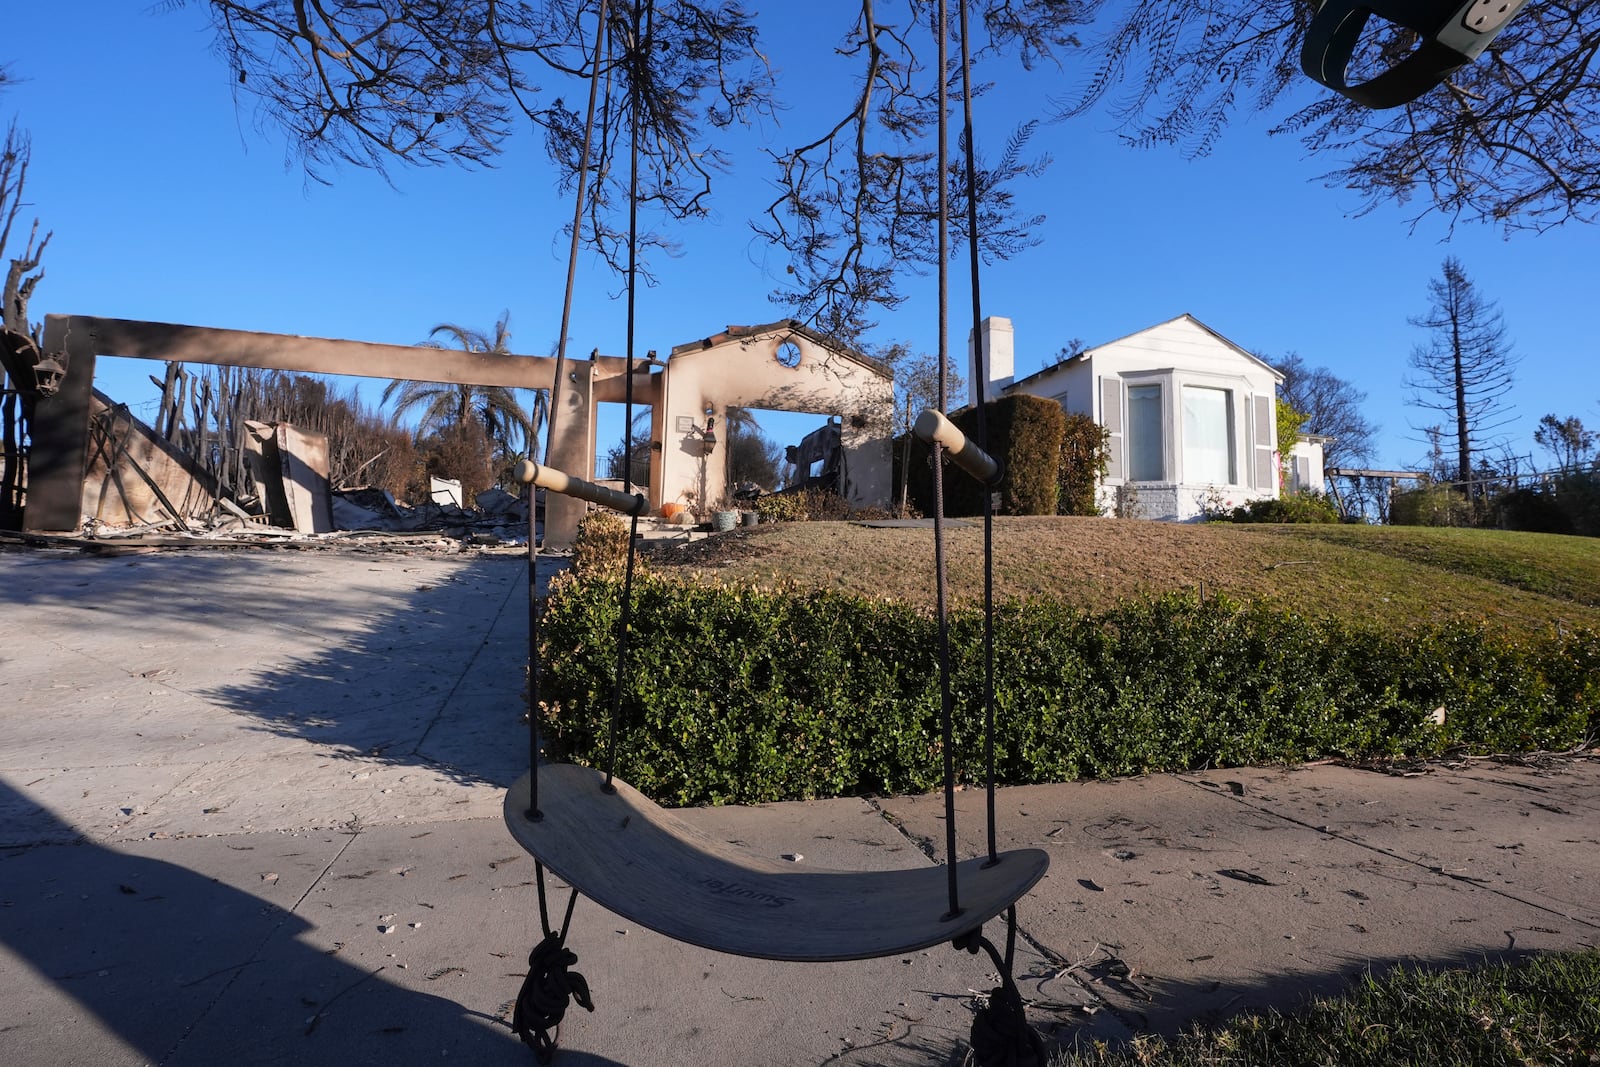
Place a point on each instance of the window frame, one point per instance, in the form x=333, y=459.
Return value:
x=1230, y=416
x=1131, y=437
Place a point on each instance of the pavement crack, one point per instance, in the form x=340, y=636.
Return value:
x=255, y=954
x=1062, y=966
x=350, y=839
x=466, y=671
x=1410, y=861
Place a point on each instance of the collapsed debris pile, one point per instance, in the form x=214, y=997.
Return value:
x=142, y=487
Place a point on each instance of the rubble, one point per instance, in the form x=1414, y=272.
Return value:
x=142, y=493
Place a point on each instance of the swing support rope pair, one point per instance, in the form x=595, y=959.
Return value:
x=608, y=841
x=628, y=855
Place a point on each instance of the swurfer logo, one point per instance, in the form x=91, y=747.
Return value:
x=734, y=889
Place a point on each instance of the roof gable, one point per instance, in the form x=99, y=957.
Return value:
x=1185, y=323
x=746, y=334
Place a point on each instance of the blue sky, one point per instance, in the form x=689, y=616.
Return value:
x=168, y=203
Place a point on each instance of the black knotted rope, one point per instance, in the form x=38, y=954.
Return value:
x=1001, y=1036
x=545, y=993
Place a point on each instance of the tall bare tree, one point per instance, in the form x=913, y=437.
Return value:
x=1466, y=367
x=1332, y=408
x=22, y=342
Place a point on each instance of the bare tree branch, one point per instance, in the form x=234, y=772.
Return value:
x=856, y=206
x=22, y=273
x=1509, y=139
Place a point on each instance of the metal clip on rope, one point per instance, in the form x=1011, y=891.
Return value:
x=1453, y=33
x=934, y=428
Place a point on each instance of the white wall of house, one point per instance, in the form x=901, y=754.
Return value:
x=779, y=367
x=1305, y=465
x=1191, y=417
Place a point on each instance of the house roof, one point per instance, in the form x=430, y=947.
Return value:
x=1088, y=352
x=790, y=326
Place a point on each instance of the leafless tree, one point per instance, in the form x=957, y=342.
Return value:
x=1465, y=369
x=1332, y=407
x=1509, y=138
x=917, y=386
x=1568, y=440
x=365, y=82
x=23, y=273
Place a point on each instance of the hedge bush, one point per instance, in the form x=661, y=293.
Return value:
x=601, y=546
x=749, y=695
x=1024, y=434
x=1085, y=456
x=1305, y=506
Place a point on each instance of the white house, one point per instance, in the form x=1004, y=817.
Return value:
x=1191, y=415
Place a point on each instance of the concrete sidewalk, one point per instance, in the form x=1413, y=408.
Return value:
x=250, y=813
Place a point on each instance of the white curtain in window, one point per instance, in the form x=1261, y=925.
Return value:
x=1207, y=436
x=1144, y=433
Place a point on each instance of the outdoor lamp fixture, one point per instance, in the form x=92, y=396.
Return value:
x=1450, y=34
x=708, y=436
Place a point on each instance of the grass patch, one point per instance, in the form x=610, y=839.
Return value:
x=1523, y=585
x=1543, y=1011
x=1562, y=568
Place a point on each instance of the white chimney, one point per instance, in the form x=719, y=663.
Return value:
x=997, y=336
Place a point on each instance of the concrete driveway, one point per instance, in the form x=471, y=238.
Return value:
x=250, y=813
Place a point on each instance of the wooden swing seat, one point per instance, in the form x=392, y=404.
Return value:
x=632, y=857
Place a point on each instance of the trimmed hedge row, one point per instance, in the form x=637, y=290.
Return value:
x=1024, y=434
x=752, y=695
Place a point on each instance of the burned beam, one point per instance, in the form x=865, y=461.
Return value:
x=61, y=424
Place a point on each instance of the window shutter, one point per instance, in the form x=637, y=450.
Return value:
x=1302, y=473
x=1265, y=431
x=1111, y=419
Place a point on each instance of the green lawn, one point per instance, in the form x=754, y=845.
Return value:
x=1545, y=1011
x=1524, y=584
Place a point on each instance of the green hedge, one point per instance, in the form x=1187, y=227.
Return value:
x=1024, y=434
x=751, y=695
x=1085, y=455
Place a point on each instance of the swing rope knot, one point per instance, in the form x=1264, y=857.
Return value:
x=1001, y=1036
x=545, y=992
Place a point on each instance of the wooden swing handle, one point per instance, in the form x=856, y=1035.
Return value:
x=934, y=428
x=558, y=481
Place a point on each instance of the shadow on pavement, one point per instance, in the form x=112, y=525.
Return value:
x=142, y=953
x=427, y=670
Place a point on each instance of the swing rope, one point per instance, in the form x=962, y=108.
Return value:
x=940, y=567
x=553, y=410
x=624, y=622
x=550, y=983
x=1000, y=1033
x=542, y=1002
x=1000, y=1030
x=979, y=403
